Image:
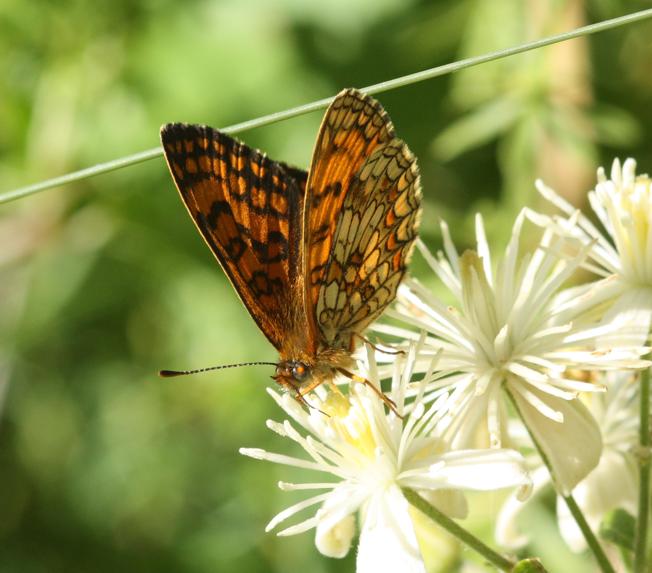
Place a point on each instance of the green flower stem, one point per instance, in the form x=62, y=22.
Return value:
x=576, y=512
x=640, y=547
x=591, y=539
x=453, y=528
x=322, y=103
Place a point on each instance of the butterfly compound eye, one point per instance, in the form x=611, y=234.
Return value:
x=299, y=371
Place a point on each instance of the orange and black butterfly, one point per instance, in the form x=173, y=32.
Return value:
x=315, y=256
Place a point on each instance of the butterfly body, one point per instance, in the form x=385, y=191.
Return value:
x=314, y=256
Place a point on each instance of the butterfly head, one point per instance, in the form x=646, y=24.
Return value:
x=292, y=373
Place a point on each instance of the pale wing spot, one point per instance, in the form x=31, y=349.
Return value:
x=344, y=225
x=366, y=228
x=353, y=227
x=405, y=180
x=394, y=169
x=363, y=119
x=330, y=294
x=348, y=121
x=383, y=272
x=326, y=139
x=373, y=242
x=377, y=216
x=369, y=265
x=366, y=171
x=341, y=114
x=358, y=104
x=365, y=223
x=338, y=253
x=380, y=167
x=402, y=207
x=405, y=229
x=351, y=242
x=369, y=187
x=325, y=316
x=341, y=300
x=372, y=128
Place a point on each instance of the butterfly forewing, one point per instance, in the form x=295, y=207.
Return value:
x=248, y=209
x=361, y=218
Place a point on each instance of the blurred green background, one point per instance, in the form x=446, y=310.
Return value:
x=105, y=467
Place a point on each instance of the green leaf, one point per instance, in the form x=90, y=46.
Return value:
x=619, y=528
x=476, y=128
x=615, y=126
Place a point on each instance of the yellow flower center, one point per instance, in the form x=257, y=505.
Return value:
x=350, y=421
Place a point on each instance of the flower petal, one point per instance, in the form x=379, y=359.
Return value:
x=388, y=541
x=630, y=316
x=481, y=470
x=573, y=445
x=449, y=501
x=335, y=541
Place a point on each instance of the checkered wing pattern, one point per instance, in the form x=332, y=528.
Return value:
x=249, y=210
x=361, y=218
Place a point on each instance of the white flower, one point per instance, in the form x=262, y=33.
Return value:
x=512, y=330
x=622, y=255
x=371, y=454
x=612, y=484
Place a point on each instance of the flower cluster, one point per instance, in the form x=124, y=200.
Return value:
x=370, y=455
x=612, y=484
x=622, y=253
x=517, y=357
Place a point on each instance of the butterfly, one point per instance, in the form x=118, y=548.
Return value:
x=314, y=256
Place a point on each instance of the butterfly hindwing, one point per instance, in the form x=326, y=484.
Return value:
x=354, y=125
x=372, y=243
x=249, y=209
x=361, y=219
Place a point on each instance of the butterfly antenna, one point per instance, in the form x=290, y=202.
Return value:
x=172, y=373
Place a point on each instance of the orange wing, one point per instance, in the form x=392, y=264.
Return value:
x=361, y=218
x=248, y=209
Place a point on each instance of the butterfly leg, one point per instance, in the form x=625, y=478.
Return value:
x=300, y=396
x=367, y=341
x=302, y=391
x=388, y=401
x=334, y=388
